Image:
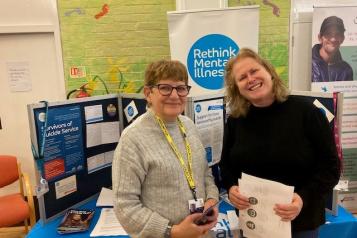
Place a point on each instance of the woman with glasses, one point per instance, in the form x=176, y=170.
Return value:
x=159, y=167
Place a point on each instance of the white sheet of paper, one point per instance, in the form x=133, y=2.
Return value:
x=102, y=133
x=110, y=132
x=94, y=133
x=209, y=120
x=100, y=161
x=95, y=163
x=65, y=186
x=93, y=113
x=260, y=220
x=342, y=185
x=328, y=114
x=107, y=224
x=19, y=76
x=105, y=198
x=108, y=157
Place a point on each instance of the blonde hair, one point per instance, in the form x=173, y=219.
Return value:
x=239, y=105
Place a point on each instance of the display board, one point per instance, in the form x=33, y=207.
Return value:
x=208, y=114
x=78, y=138
x=133, y=105
x=336, y=72
x=331, y=105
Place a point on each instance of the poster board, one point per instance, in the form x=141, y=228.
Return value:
x=332, y=106
x=80, y=138
x=208, y=113
x=348, y=198
x=338, y=26
x=133, y=105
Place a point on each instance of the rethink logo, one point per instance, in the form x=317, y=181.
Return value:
x=207, y=58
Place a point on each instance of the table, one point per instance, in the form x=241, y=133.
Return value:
x=342, y=226
x=49, y=230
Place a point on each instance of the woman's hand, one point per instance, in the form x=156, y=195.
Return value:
x=238, y=200
x=210, y=202
x=188, y=228
x=289, y=212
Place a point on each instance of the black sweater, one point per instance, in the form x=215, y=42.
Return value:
x=289, y=142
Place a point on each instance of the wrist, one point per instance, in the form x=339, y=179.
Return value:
x=168, y=231
x=174, y=230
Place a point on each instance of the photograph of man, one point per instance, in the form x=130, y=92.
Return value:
x=327, y=62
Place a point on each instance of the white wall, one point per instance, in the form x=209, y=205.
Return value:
x=29, y=32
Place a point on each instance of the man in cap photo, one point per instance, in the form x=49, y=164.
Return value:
x=327, y=62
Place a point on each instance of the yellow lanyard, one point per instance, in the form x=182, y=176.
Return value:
x=186, y=169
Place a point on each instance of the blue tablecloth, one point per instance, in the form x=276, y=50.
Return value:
x=49, y=230
x=342, y=226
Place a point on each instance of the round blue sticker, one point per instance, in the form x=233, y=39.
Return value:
x=130, y=111
x=207, y=58
x=198, y=108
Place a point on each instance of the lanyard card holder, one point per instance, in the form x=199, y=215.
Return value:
x=42, y=188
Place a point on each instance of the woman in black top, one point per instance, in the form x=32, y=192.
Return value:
x=272, y=135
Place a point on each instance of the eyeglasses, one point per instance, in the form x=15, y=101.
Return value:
x=166, y=89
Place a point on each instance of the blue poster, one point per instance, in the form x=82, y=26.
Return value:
x=63, y=151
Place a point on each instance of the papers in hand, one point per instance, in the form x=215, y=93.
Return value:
x=107, y=225
x=105, y=198
x=260, y=220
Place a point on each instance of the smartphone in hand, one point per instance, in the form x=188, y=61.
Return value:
x=206, y=214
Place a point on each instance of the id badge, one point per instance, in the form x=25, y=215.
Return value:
x=195, y=206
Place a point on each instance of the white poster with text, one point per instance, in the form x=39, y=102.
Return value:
x=209, y=119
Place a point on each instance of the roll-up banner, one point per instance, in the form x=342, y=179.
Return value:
x=334, y=49
x=334, y=69
x=204, y=40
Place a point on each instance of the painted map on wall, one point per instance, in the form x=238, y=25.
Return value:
x=273, y=32
x=107, y=44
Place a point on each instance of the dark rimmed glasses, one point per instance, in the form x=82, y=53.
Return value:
x=166, y=89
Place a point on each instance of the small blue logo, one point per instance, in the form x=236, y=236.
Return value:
x=215, y=107
x=130, y=111
x=198, y=108
x=207, y=58
x=209, y=154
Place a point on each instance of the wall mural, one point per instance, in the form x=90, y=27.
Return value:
x=106, y=45
x=273, y=32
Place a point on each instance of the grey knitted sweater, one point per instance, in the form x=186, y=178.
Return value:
x=150, y=189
